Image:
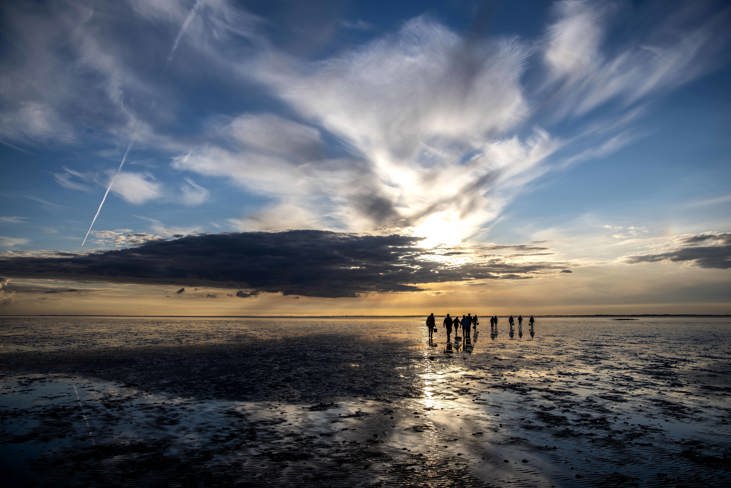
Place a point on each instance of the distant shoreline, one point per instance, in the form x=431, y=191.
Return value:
x=352, y=316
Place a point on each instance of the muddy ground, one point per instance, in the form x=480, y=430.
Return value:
x=363, y=402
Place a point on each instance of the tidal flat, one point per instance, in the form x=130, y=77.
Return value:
x=363, y=402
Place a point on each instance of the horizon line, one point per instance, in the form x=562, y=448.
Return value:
x=598, y=315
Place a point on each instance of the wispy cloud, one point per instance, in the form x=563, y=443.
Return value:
x=34, y=121
x=606, y=146
x=101, y=88
x=11, y=242
x=708, y=202
x=626, y=231
x=73, y=180
x=255, y=150
x=590, y=240
x=46, y=203
x=186, y=23
x=212, y=27
x=424, y=83
x=356, y=25
x=12, y=219
x=587, y=76
x=276, y=136
x=192, y=194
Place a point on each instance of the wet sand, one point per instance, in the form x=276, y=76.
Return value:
x=363, y=402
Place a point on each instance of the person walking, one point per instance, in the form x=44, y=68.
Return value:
x=520, y=326
x=531, y=324
x=511, y=322
x=475, y=323
x=466, y=324
x=448, y=325
x=431, y=325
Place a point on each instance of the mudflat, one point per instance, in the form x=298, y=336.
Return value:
x=364, y=402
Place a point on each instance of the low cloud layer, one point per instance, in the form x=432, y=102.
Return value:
x=308, y=263
x=703, y=250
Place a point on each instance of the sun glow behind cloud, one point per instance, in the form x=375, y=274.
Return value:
x=444, y=228
x=442, y=131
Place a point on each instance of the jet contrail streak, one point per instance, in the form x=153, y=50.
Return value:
x=104, y=198
x=183, y=28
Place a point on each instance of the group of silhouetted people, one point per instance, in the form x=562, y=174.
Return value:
x=468, y=323
x=511, y=324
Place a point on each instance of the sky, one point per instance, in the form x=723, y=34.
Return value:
x=215, y=157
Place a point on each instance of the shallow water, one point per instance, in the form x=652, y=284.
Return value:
x=364, y=402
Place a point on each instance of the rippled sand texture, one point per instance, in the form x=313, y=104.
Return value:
x=363, y=402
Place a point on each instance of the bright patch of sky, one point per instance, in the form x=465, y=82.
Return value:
x=498, y=122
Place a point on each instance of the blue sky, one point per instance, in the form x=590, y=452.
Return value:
x=599, y=129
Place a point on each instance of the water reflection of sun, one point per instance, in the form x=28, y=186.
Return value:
x=427, y=398
x=432, y=397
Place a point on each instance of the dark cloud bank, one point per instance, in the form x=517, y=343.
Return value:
x=309, y=263
x=704, y=250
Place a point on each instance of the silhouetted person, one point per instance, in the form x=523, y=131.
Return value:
x=520, y=326
x=448, y=325
x=466, y=324
x=511, y=322
x=531, y=323
x=470, y=321
x=474, y=322
x=456, y=323
x=431, y=325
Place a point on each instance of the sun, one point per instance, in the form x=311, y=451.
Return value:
x=442, y=229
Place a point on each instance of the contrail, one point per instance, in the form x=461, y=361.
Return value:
x=104, y=198
x=183, y=28
x=17, y=148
